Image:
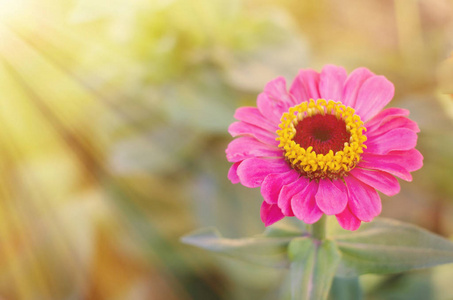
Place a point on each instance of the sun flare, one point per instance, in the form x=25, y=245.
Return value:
x=11, y=8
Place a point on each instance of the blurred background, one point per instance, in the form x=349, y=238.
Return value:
x=113, y=129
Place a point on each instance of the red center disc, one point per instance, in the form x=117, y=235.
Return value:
x=323, y=133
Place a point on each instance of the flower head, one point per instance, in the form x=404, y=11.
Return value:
x=324, y=147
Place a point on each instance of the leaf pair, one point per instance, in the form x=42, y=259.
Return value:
x=269, y=249
x=381, y=247
x=387, y=246
x=313, y=267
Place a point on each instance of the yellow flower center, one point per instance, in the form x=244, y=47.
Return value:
x=322, y=139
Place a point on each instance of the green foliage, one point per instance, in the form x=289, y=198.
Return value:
x=263, y=250
x=313, y=266
x=388, y=246
x=416, y=285
x=384, y=246
x=345, y=289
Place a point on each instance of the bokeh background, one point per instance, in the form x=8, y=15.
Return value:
x=113, y=127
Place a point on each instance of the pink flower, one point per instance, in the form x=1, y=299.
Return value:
x=324, y=147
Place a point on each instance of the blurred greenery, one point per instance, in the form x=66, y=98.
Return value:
x=114, y=119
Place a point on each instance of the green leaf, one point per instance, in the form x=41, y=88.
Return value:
x=416, y=285
x=388, y=246
x=346, y=289
x=313, y=266
x=263, y=250
x=289, y=227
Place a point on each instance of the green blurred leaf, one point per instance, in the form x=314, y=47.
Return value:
x=346, y=289
x=202, y=102
x=289, y=227
x=250, y=71
x=267, y=251
x=404, y=286
x=312, y=268
x=387, y=246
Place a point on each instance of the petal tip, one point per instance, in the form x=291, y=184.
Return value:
x=270, y=213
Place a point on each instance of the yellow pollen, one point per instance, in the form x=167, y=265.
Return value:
x=307, y=161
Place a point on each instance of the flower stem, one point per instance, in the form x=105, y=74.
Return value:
x=318, y=229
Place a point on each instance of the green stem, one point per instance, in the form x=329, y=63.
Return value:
x=318, y=229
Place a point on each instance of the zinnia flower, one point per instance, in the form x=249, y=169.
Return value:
x=324, y=147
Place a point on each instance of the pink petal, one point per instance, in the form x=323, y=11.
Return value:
x=245, y=129
x=411, y=160
x=353, y=84
x=304, y=204
x=379, y=180
x=272, y=109
x=390, y=123
x=396, y=139
x=287, y=192
x=233, y=173
x=273, y=183
x=270, y=213
x=276, y=90
x=253, y=116
x=375, y=93
x=331, y=82
x=398, y=163
x=364, y=201
x=384, y=114
x=348, y=220
x=252, y=171
x=305, y=86
x=331, y=198
x=247, y=147
x=391, y=168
